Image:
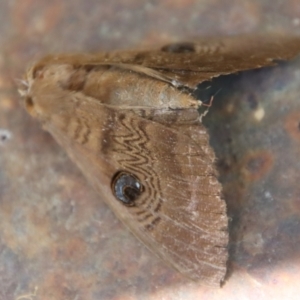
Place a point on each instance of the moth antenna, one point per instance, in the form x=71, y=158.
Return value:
x=208, y=105
x=21, y=81
x=23, y=86
x=212, y=98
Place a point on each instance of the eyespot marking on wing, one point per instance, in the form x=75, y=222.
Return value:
x=126, y=188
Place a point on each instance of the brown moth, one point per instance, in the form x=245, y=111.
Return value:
x=129, y=120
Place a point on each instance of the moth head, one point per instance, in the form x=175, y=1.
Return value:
x=126, y=188
x=24, y=87
x=27, y=89
x=42, y=88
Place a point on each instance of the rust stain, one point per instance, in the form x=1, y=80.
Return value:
x=292, y=125
x=63, y=284
x=256, y=164
x=46, y=17
x=70, y=249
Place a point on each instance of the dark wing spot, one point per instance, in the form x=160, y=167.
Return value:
x=139, y=57
x=179, y=48
x=153, y=224
x=126, y=187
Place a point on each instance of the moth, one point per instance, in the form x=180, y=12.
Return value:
x=130, y=121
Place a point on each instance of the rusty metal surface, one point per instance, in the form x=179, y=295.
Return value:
x=59, y=241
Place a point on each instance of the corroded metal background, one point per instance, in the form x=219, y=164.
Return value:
x=59, y=241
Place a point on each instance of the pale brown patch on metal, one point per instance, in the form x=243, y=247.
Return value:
x=292, y=125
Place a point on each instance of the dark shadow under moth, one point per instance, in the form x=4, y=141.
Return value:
x=129, y=120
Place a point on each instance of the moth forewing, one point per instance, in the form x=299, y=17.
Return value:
x=130, y=122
